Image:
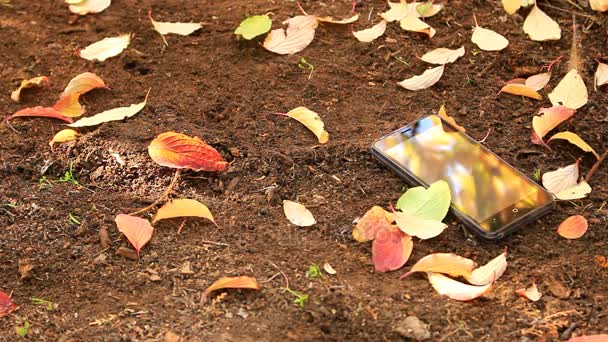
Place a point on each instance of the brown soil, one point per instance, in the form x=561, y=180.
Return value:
x=220, y=89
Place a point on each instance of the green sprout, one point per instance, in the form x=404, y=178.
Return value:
x=73, y=219
x=23, y=330
x=471, y=81
x=39, y=301
x=313, y=272
x=537, y=174
x=68, y=177
x=400, y=59
x=300, y=299
x=303, y=64
x=42, y=181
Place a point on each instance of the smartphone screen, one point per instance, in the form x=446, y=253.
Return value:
x=484, y=188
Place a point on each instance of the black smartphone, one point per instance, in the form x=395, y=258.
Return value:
x=489, y=196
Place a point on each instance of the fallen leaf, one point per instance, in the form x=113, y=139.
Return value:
x=180, y=151
x=104, y=238
x=539, y=81
x=331, y=20
x=448, y=263
x=83, y=83
x=561, y=179
x=530, y=293
x=106, y=48
x=570, y=92
x=312, y=121
x=414, y=24
x=242, y=282
x=522, y=90
x=371, y=33
x=183, y=208
x=443, y=55
x=488, y=40
x=540, y=27
x=330, y=270
x=430, y=204
x=574, y=139
x=25, y=269
x=557, y=288
x=602, y=261
x=69, y=106
x=373, y=221
x=62, y=136
x=419, y=227
x=428, y=9
x=601, y=75
x=299, y=34
x=577, y=191
x=454, y=289
x=253, y=26
x=127, y=253
x=391, y=249
x=444, y=115
x=599, y=5
x=398, y=11
x=573, y=227
x=89, y=6
x=182, y=29
x=512, y=6
x=25, y=84
x=38, y=111
x=6, y=305
x=298, y=214
x=490, y=272
x=426, y=80
x=137, y=230
x=601, y=337
x=548, y=120
x=115, y=114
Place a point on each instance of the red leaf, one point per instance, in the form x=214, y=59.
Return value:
x=180, y=151
x=6, y=304
x=39, y=111
x=137, y=230
x=242, y=282
x=391, y=249
x=573, y=227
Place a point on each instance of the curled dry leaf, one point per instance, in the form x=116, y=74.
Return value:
x=253, y=26
x=180, y=151
x=137, y=230
x=540, y=27
x=426, y=80
x=298, y=214
x=448, y=263
x=371, y=33
x=490, y=272
x=106, y=48
x=539, y=81
x=454, y=289
x=573, y=227
x=6, y=305
x=530, y=293
x=25, y=84
x=561, y=179
x=601, y=75
x=242, y=282
x=312, y=121
x=414, y=24
x=444, y=115
x=373, y=221
x=521, y=89
x=62, y=136
x=331, y=20
x=574, y=139
x=443, y=55
x=42, y=112
x=430, y=204
x=599, y=5
x=88, y=6
x=391, y=249
x=550, y=118
x=299, y=34
x=183, y=208
x=182, y=29
x=419, y=227
x=114, y=114
x=488, y=40
x=330, y=270
x=69, y=106
x=570, y=92
x=83, y=83
x=580, y=190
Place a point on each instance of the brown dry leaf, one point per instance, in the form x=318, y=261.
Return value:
x=106, y=48
x=137, y=230
x=426, y=80
x=371, y=33
x=312, y=121
x=298, y=214
x=602, y=261
x=454, y=289
x=242, y=282
x=183, y=208
x=443, y=55
x=489, y=272
x=62, y=136
x=25, y=84
x=574, y=139
x=299, y=34
x=88, y=6
x=601, y=75
x=561, y=179
x=104, y=238
x=540, y=27
x=573, y=227
x=521, y=89
x=414, y=24
x=488, y=40
x=448, y=263
x=570, y=92
x=373, y=220
x=25, y=269
x=444, y=115
x=182, y=29
x=530, y=293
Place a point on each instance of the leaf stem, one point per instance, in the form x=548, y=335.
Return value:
x=163, y=196
x=596, y=166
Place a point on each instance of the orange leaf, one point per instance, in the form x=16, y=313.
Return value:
x=454, y=289
x=374, y=220
x=489, y=272
x=531, y=292
x=180, y=151
x=391, y=249
x=137, y=230
x=69, y=105
x=83, y=83
x=521, y=89
x=39, y=111
x=573, y=227
x=6, y=304
x=550, y=118
x=448, y=263
x=242, y=282
x=183, y=208
x=299, y=34
x=444, y=115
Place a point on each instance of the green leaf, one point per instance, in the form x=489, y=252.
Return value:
x=429, y=204
x=23, y=330
x=254, y=26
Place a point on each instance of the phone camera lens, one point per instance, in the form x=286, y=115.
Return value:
x=515, y=211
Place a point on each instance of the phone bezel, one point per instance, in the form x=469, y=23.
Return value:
x=470, y=223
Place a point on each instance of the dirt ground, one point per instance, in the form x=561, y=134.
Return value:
x=213, y=86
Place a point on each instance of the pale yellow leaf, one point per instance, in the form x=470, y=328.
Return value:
x=330, y=270
x=71, y=2
x=521, y=89
x=62, y=136
x=580, y=190
x=574, y=139
x=83, y=83
x=106, y=48
x=427, y=79
x=371, y=33
x=32, y=82
x=111, y=115
x=530, y=293
x=570, y=92
x=331, y=20
x=443, y=55
x=488, y=40
x=298, y=214
x=299, y=34
x=182, y=29
x=69, y=105
x=88, y=6
x=599, y=5
x=444, y=115
x=414, y=24
x=539, y=81
x=421, y=228
x=512, y=6
x=183, y=208
x=312, y=121
x=427, y=9
x=454, y=289
x=397, y=11
x=489, y=272
x=561, y=179
x=601, y=75
x=540, y=27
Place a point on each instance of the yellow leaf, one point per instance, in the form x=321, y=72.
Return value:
x=577, y=191
x=298, y=214
x=106, y=48
x=182, y=29
x=312, y=121
x=397, y=11
x=601, y=75
x=111, y=115
x=512, y=6
x=371, y=33
x=331, y=20
x=488, y=40
x=32, y=82
x=540, y=27
x=570, y=92
x=427, y=9
x=443, y=55
x=88, y=6
x=183, y=208
x=62, y=136
x=241, y=282
x=299, y=34
x=521, y=89
x=427, y=79
x=574, y=139
x=599, y=5
x=444, y=115
x=412, y=23
x=69, y=106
